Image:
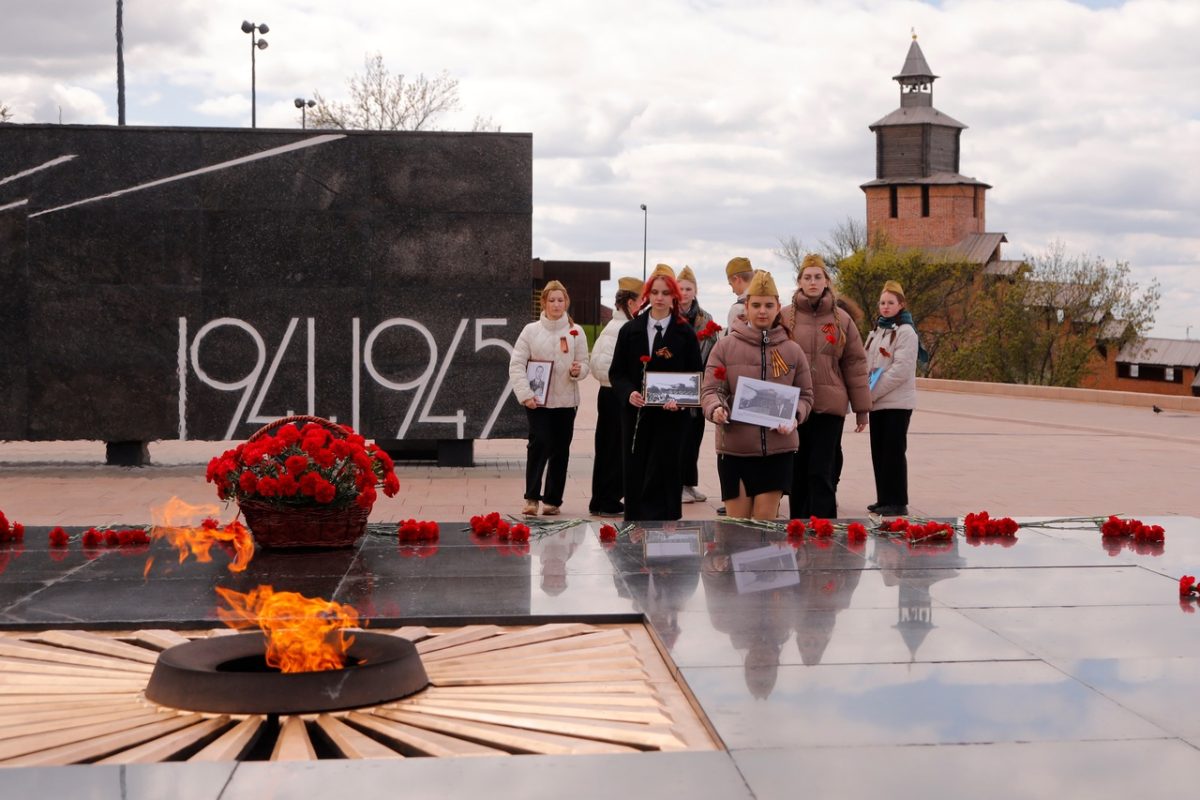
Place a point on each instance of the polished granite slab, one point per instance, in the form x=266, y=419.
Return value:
x=845, y=669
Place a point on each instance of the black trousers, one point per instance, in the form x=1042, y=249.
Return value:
x=889, y=444
x=607, y=473
x=653, y=483
x=693, y=436
x=814, y=479
x=550, y=432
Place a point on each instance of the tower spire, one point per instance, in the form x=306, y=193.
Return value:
x=915, y=78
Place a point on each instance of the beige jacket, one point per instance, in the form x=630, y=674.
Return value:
x=839, y=367
x=606, y=343
x=894, y=350
x=546, y=340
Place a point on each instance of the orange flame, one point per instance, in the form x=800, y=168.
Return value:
x=176, y=522
x=304, y=634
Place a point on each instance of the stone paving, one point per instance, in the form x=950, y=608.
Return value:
x=1059, y=666
x=1007, y=454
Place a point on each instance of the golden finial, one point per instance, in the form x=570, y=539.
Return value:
x=914, y=33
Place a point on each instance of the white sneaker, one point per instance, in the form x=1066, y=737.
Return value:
x=697, y=495
x=687, y=496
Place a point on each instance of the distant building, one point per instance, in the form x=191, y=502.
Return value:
x=918, y=197
x=1154, y=366
x=582, y=279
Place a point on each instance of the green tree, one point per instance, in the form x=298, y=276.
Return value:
x=937, y=290
x=1049, y=325
x=382, y=101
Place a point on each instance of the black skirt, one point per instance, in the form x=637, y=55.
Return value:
x=759, y=474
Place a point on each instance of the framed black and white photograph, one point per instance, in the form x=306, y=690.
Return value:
x=538, y=373
x=764, y=568
x=763, y=403
x=682, y=387
x=681, y=543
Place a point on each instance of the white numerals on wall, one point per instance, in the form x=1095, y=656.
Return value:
x=424, y=387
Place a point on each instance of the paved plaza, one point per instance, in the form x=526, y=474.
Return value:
x=1056, y=666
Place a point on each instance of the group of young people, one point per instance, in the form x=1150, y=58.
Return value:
x=646, y=454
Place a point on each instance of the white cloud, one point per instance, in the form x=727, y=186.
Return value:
x=229, y=105
x=737, y=123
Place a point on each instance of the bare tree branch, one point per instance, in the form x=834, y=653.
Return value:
x=382, y=101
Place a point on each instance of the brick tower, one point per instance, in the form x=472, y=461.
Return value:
x=918, y=197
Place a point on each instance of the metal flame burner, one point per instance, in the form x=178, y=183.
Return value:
x=228, y=674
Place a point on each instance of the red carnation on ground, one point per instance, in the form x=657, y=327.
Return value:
x=795, y=528
x=1187, y=585
x=856, y=532
x=519, y=532
x=59, y=537
x=10, y=531
x=608, y=533
x=820, y=527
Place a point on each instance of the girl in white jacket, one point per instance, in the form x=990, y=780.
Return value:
x=551, y=402
x=892, y=369
x=607, y=476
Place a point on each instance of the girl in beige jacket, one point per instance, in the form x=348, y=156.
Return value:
x=549, y=359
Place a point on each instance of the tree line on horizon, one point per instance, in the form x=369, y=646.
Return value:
x=1052, y=322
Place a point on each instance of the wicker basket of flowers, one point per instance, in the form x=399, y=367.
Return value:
x=304, y=481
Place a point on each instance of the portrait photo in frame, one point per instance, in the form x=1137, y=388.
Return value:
x=659, y=388
x=538, y=374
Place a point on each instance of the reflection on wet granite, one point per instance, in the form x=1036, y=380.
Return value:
x=787, y=644
x=1115, y=770
x=946, y=703
x=134, y=782
x=1163, y=690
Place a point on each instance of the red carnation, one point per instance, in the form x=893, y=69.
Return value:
x=644, y=359
x=856, y=532
x=248, y=482
x=92, y=538
x=820, y=527
x=608, y=533
x=795, y=528
x=295, y=464
x=831, y=338
x=719, y=373
x=366, y=498
x=325, y=492
x=59, y=537
x=287, y=486
x=1186, y=585
x=391, y=484
x=519, y=532
x=574, y=332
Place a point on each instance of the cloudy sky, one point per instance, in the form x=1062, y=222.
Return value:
x=736, y=123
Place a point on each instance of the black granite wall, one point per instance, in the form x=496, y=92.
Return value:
x=193, y=283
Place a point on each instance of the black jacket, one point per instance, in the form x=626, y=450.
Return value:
x=633, y=343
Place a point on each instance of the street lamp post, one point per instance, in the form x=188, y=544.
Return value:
x=645, y=223
x=304, y=105
x=255, y=44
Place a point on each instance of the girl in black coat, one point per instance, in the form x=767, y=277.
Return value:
x=652, y=436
